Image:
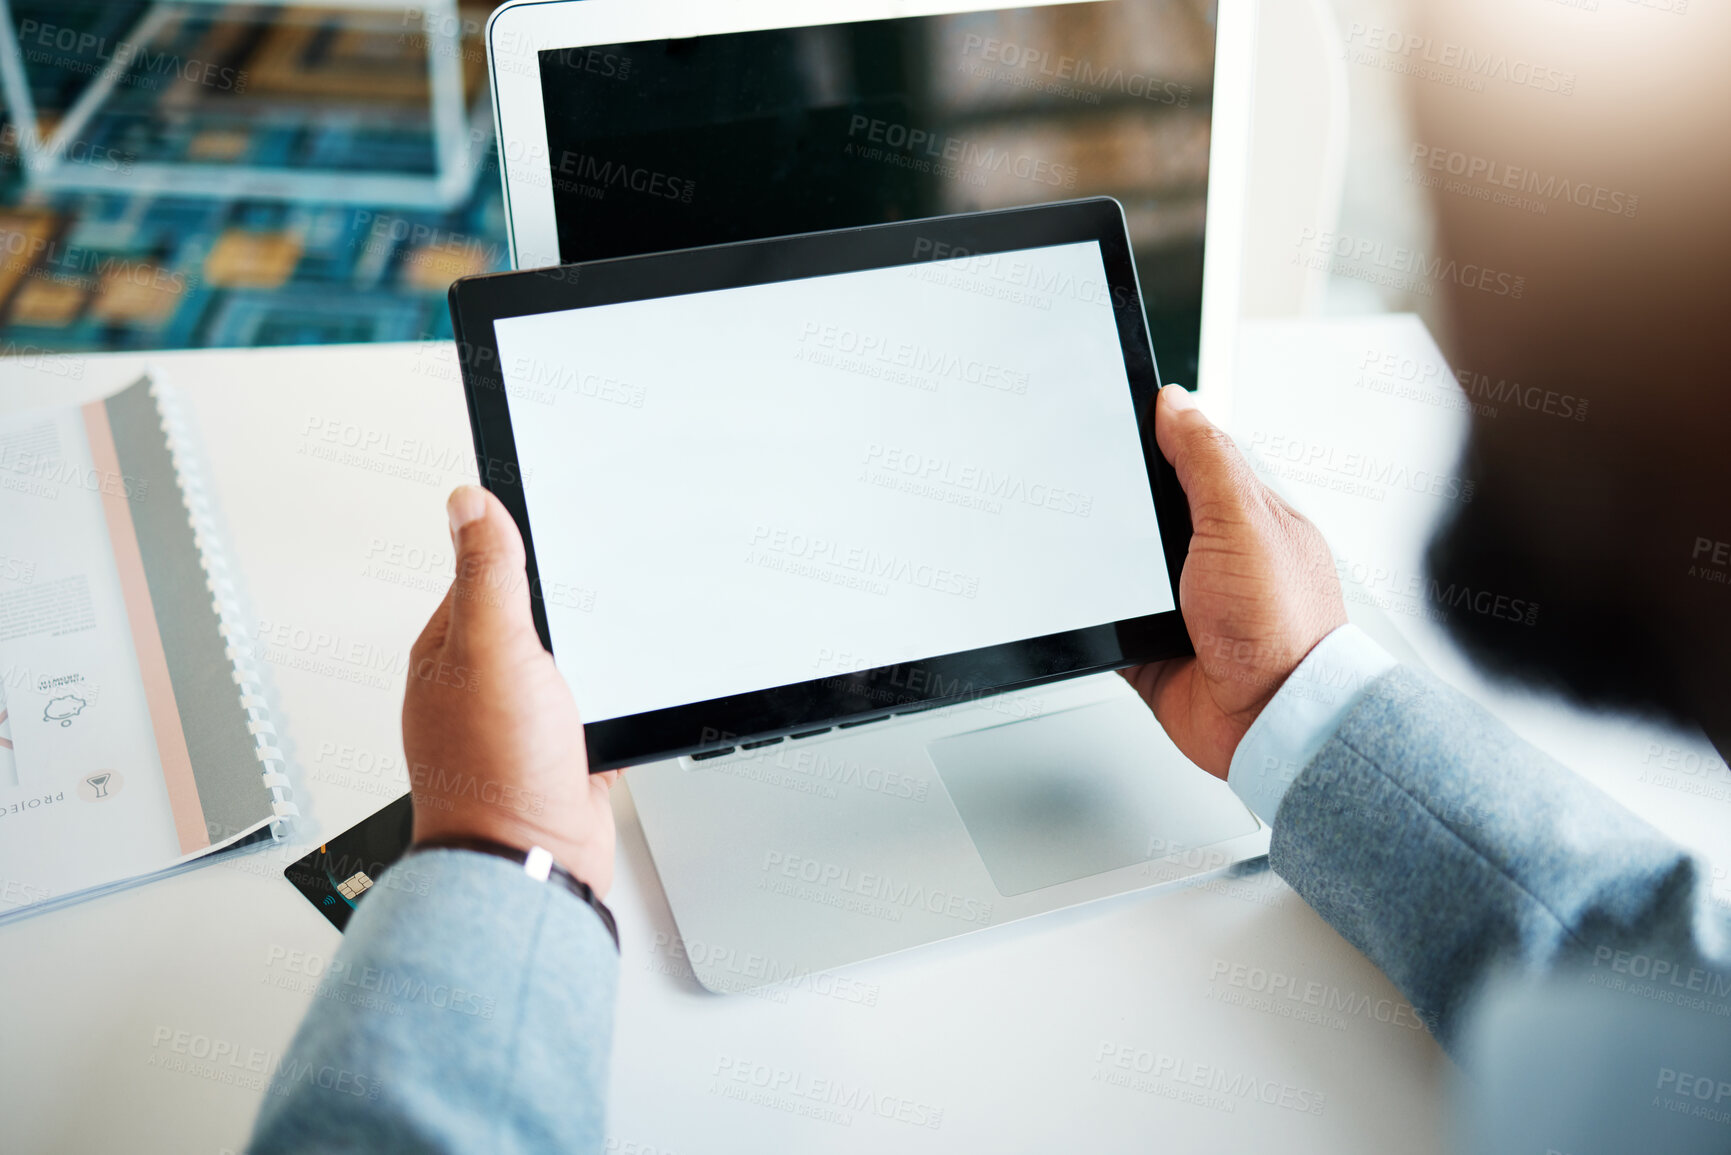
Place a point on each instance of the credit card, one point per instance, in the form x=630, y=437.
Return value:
x=339, y=874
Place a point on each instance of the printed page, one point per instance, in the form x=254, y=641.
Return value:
x=83, y=799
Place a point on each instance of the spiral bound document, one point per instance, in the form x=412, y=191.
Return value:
x=135, y=739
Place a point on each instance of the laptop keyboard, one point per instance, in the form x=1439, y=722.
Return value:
x=760, y=744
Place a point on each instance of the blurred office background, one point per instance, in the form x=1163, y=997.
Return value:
x=194, y=173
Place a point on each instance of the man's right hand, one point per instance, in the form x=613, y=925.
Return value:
x=1259, y=591
x=494, y=744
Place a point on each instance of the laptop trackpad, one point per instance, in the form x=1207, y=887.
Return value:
x=1081, y=792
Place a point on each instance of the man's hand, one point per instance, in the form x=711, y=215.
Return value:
x=1259, y=590
x=494, y=744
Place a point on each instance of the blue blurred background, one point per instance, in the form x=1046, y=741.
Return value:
x=191, y=174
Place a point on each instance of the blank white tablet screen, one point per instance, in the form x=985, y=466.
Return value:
x=736, y=490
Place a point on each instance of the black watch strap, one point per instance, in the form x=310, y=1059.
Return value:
x=537, y=862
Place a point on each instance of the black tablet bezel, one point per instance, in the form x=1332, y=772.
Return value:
x=867, y=695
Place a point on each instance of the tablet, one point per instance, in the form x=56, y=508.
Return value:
x=816, y=480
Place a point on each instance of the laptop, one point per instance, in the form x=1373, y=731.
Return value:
x=628, y=128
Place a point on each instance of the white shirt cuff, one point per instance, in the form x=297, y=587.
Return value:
x=1302, y=715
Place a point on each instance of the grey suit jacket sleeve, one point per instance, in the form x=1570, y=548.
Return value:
x=1446, y=848
x=470, y=1009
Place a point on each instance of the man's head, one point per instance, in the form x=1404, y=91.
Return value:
x=1600, y=146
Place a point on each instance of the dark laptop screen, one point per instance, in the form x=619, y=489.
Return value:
x=668, y=144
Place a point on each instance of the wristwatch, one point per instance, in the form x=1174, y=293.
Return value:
x=537, y=862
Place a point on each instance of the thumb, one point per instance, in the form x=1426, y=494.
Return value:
x=490, y=594
x=1210, y=469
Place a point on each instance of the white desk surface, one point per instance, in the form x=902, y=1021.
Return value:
x=1002, y=1031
